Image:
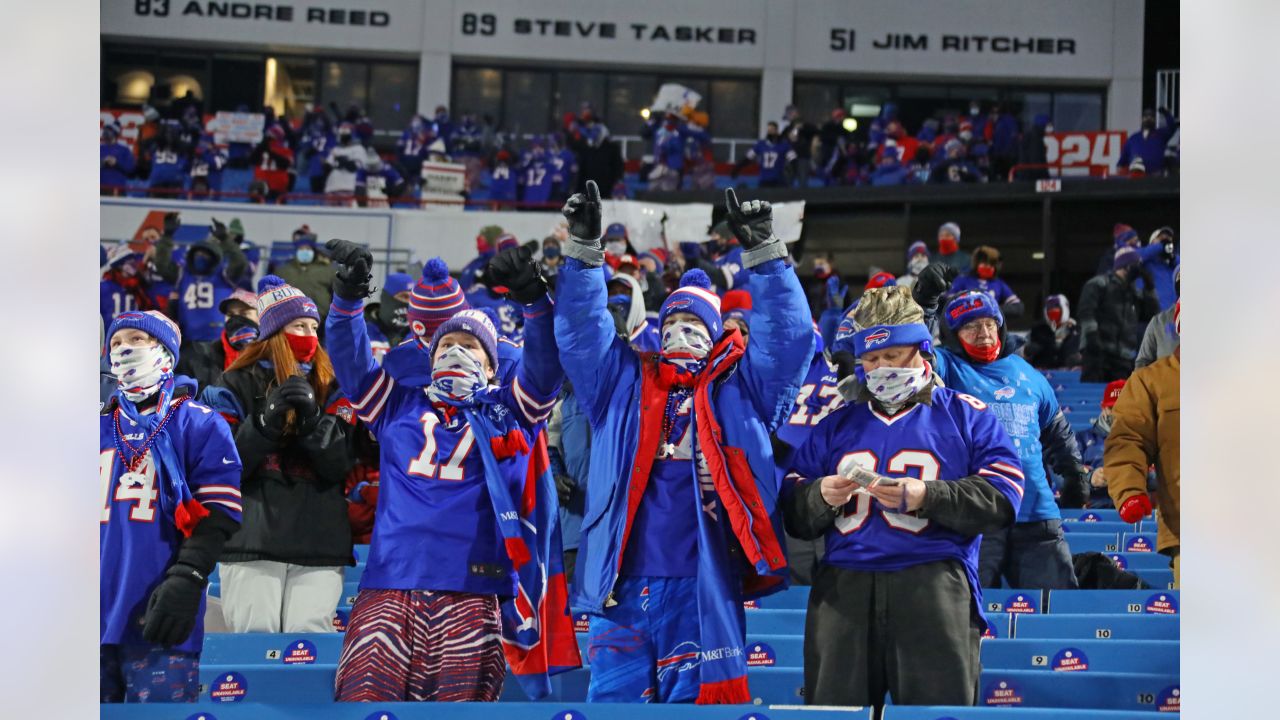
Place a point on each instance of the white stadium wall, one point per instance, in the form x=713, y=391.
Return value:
x=1093, y=42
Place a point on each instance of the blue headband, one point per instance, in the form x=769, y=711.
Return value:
x=879, y=337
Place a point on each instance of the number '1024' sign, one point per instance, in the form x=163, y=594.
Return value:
x=1084, y=149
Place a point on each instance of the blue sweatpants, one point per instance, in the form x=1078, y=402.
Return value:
x=147, y=673
x=646, y=648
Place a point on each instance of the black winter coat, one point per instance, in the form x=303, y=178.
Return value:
x=1043, y=350
x=292, y=489
x=1113, y=315
x=203, y=362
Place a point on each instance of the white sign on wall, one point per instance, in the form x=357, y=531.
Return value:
x=385, y=25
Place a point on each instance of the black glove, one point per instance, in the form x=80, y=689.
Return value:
x=272, y=418
x=564, y=489
x=584, y=214
x=174, y=606
x=752, y=223
x=171, y=223
x=934, y=282
x=1075, y=492
x=218, y=230
x=845, y=362
x=352, y=281
x=515, y=270
x=296, y=391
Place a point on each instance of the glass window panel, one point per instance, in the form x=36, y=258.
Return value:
x=528, y=102
x=627, y=95
x=295, y=86
x=477, y=91
x=1077, y=111
x=734, y=108
x=345, y=83
x=393, y=95
x=575, y=88
x=1025, y=105
x=816, y=100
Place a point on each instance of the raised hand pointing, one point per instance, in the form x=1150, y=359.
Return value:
x=751, y=222
x=583, y=212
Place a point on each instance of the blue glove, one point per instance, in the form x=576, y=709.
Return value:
x=836, y=292
x=357, y=493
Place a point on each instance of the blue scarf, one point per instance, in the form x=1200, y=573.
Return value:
x=537, y=630
x=176, y=501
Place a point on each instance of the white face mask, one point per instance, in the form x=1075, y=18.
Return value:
x=140, y=370
x=685, y=343
x=917, y=264
x=616, y=247
x=305, y=255
x=894, y=386
x=456, y=375
x=1048, y=129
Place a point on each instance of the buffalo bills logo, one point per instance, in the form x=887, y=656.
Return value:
x=965, y=305
x=1004, y=393
x=879, y=337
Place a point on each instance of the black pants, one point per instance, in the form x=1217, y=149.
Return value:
x=1028, y=555
x=912, y=633
x=804, y=557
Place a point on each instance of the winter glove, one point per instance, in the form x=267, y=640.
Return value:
x=171, y=223
x=352, y=281
x=752, y=222
x=934, y=281
x=272, y=418
x=296, y=391
x=836, y=293
x=845, y=363
x=174, y=606
x=357, y=493
x=1075, y=492
x=218, y=230
x=583, y=212
x=515, y=270
x=1135, y=508
x=564, y=488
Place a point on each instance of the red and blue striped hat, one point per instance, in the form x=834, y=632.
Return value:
x=435, y=298
x=695, y=296
x=279, y=304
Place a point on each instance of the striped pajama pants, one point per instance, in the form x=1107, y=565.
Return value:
x=421, y=645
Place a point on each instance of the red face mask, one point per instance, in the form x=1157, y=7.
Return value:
x=986, y=272
x=303, y=346
x=948, y=246
x=982, y=354
x=1054, y=315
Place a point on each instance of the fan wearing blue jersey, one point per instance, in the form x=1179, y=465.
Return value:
x=682, y=523
x=984, y=278
x=901, y=481
x=446, y=590
x=1033, y=553
x=171, y=498
x=819, y=396
x=207, y=276
x=773, y=153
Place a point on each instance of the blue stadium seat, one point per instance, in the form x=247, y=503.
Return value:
x=1005, y=600
x=793, y=598
x=362, y=553
x=485, y=711
x=1090, y=514
x=774, y=651
x=1097, y=627
x=1106, y=526
x=1079, y=542
x=1133, y=602
x=918, y=712
x=1148, y=656
x=268, y=649
x=1141, y=561
x=1161, y=579
x=1138, y=542
x=1114, y=691
x=775, y=622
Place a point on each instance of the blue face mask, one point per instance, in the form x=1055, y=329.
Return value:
x=200, y=263
x=305, y=255
x=551, y=252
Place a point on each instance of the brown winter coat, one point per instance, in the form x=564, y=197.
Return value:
x=1145, y=432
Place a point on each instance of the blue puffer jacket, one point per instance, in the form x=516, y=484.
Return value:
x=752, y=396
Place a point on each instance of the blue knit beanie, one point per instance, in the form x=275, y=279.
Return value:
x=473, y=322
x=694, y=296
x=152, y=323
x=971, y=306
x=279, y=304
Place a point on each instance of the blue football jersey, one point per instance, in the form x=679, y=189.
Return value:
x=435, y=527
x=114, y=300
x=537, y=180
x=137, y=540
x=995, y=287
x=954, y=437
x=1024, y=402
x=502, y=184
x=510, y=323
x=817, y=398
x=772, y=157
x=198, y=299
x=168, y=167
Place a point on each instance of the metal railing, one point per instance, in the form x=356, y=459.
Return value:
x=1167, y=85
